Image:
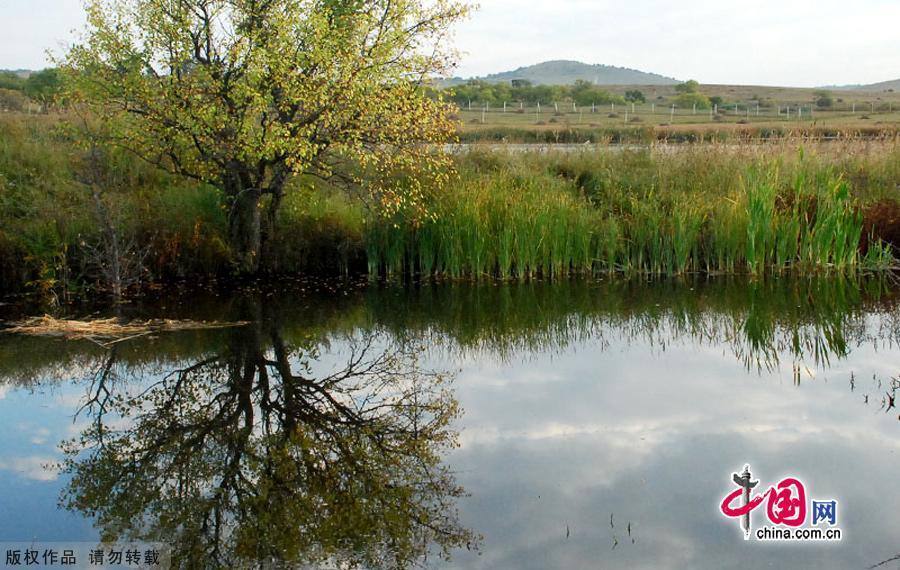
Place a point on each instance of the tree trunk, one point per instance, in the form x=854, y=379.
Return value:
x=245, y=223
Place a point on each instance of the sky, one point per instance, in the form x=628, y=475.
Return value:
x=799, y=43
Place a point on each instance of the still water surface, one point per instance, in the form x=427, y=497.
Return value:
x=575, y=425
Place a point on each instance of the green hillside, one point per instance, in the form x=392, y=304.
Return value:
x=568, y=72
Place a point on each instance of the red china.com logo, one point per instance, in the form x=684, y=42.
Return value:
x=787, y=509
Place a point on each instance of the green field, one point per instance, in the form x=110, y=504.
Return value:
x=628, y=115
x=743, y=108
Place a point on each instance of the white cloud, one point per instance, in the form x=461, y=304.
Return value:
x=40, y=436
x=36, y=468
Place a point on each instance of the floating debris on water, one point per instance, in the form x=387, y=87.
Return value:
x=107, y=329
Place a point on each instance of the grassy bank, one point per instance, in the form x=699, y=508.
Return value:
x=699, y=208
x=51, y=237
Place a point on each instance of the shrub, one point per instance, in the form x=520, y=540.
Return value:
x=11, y=100
x=824, y=99
x=688, y=100
x=635, y=96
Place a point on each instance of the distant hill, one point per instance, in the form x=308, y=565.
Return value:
x=568, y=72
x=883, y=86
x=872, y=87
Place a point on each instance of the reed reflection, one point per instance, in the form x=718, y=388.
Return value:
x=809, y=322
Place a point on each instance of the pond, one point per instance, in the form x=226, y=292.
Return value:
x=524, y=425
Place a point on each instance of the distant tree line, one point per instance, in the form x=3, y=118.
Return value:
x=582, y=93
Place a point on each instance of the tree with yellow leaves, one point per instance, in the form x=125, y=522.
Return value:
x=244, y=94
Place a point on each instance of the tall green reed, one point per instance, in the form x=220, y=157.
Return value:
x=525, y=216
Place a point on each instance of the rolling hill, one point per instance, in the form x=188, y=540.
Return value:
x=882, y=86
x=562, y=72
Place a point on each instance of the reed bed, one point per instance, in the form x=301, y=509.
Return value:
x=712, y=210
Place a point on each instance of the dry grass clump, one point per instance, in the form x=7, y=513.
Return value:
x=107, y=329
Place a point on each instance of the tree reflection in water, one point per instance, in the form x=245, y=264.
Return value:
x=253, y=453
x=246, y=457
